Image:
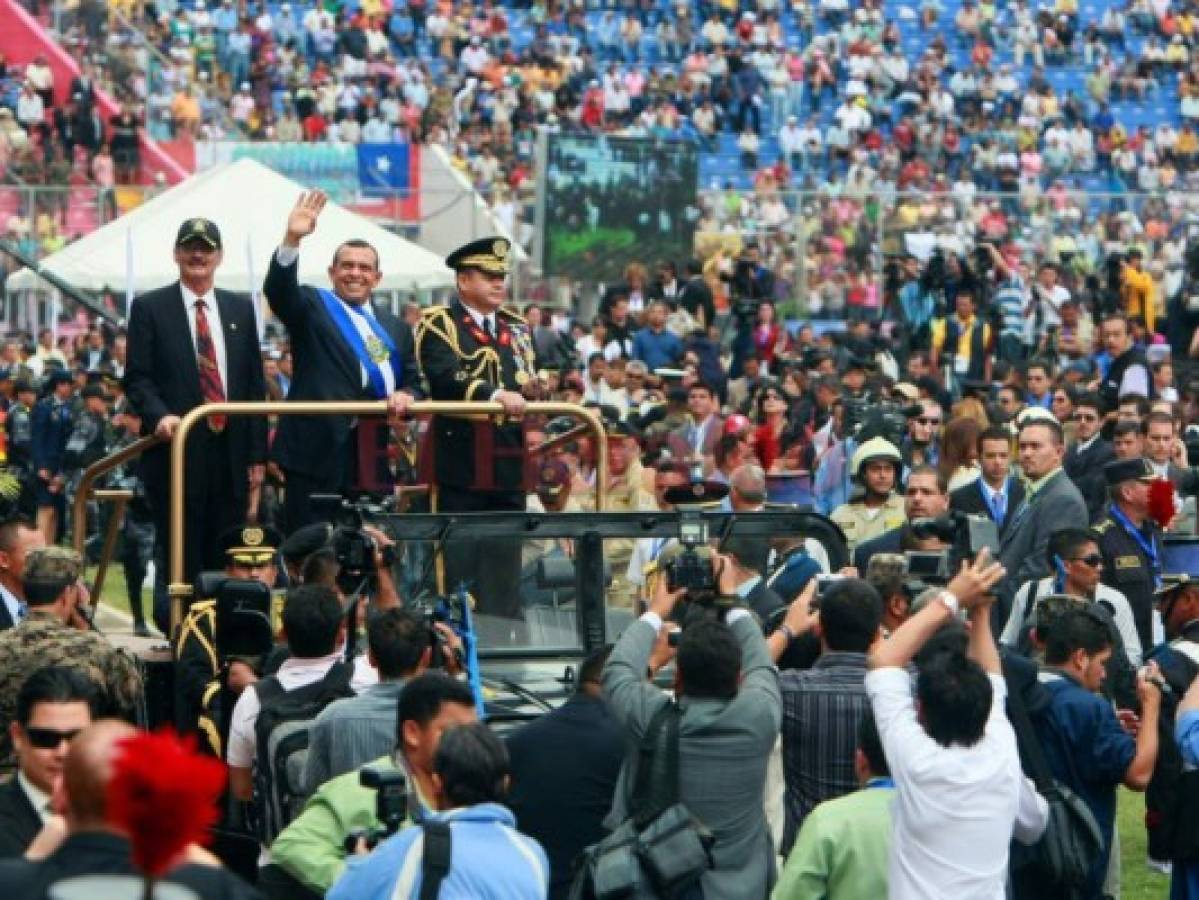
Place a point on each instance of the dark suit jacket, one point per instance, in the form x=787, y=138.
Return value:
x=100, y=853
x=1086, y=471
x=564, y=769
x=887, y=542
x=1022, y=545
x=969, y=499
x=325, y=368
x=162, y=378
x=19, y=821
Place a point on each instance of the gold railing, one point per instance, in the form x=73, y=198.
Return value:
x=180, y=590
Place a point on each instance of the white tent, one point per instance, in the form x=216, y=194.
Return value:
x=249, y=203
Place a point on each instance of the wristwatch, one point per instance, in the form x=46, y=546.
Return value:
x=950, y=602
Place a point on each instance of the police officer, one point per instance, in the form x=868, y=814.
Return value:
x=56, y=632
x=875, y=466
x=475, y=349
x=1130, y=543
x=249, y=552
x=137, y=526
x=52, y=423
x=19, y=425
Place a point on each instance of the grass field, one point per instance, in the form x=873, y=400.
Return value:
x=1138, y=881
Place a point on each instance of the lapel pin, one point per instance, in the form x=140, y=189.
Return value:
x=233, y=326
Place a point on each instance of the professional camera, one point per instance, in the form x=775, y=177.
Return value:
x=869, y=417
x=449, y=611
x=966, y=536
x=353, y=547
x=391, y=806
x=690, y=570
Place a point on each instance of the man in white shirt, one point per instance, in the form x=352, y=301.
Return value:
x=314, y=627
x=960, y=793
x=791, y=142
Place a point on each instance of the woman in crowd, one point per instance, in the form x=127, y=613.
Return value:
x=959, y=452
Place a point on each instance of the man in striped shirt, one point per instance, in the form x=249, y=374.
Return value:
x=1011, y=298
x=823, y=706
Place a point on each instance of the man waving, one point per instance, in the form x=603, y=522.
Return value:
x=344, y=348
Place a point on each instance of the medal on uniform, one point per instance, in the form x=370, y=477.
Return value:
x=522, y=377
x=376, y=350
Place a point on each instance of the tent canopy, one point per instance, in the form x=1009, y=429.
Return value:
x=249, y=203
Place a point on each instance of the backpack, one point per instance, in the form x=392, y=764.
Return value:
x=281, y=731
x=1063, y=855
x=661, y=850
x=1173, y=794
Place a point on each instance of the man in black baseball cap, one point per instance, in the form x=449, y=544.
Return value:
x=191, y=344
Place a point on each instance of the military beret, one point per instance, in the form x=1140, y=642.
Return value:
x=199, y=229
x=303, y=542
x=1122, y=470
x=553, y=477
x=492, y=255
x=251, y=541
x=51, y=566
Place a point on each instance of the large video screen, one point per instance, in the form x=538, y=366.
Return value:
x=610, y=201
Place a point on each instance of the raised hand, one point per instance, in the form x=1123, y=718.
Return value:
x=301, y=221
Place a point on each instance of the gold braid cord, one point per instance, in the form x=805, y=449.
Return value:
x=438, y=321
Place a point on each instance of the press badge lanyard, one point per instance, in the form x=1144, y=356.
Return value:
x=1146, y=544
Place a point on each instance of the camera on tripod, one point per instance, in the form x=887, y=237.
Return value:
x=391, y=806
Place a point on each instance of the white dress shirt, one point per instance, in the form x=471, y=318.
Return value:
x=38, y=799
x=12, y=602
x=213, y=313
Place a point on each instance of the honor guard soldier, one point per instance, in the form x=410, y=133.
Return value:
x=19, y=425
x=476, y=350
x=875, y=466
x=249, y=553
x=1130, y=543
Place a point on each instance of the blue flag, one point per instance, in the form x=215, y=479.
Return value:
x=383, y=169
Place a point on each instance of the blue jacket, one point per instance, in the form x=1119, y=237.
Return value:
x=657, y=350
x=489, y=860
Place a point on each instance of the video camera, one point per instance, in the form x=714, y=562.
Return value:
x=353, y=547
x=870, y=417
x=966, y=536
x=391, y=806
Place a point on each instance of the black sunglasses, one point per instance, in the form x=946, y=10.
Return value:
x=1094, y=560
x=1085, y=417
x=49, y=738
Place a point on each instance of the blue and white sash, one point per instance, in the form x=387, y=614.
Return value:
x=382, y=349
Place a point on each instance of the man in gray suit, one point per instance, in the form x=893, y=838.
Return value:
x=728, y=691
x=1051, y=501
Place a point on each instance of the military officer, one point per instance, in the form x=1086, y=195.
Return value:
x=475, y=349
x=19, y=425
x=1130, y=543
x=249, y=552
x=875, y=466
x=56, y=632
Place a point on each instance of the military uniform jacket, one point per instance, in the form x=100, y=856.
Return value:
x=1128, y=569
x=461, y=362
x=42, y=640
x=860, y=523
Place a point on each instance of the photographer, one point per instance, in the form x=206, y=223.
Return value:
x=962, y=342
x=486, y=856
x=351, y=732
x=311, y=851
x=730, y=710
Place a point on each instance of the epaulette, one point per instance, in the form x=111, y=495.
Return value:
x=511, y=314
x=433, y=312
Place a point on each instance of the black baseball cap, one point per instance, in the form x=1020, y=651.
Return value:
x=1123, y=470
x=199, y=229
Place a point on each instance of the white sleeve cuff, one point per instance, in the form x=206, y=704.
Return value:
x=287, y=256
x=733, y=615
x=495, y=394
x=652, y=619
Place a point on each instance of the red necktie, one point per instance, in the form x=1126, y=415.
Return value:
x=210, y=375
